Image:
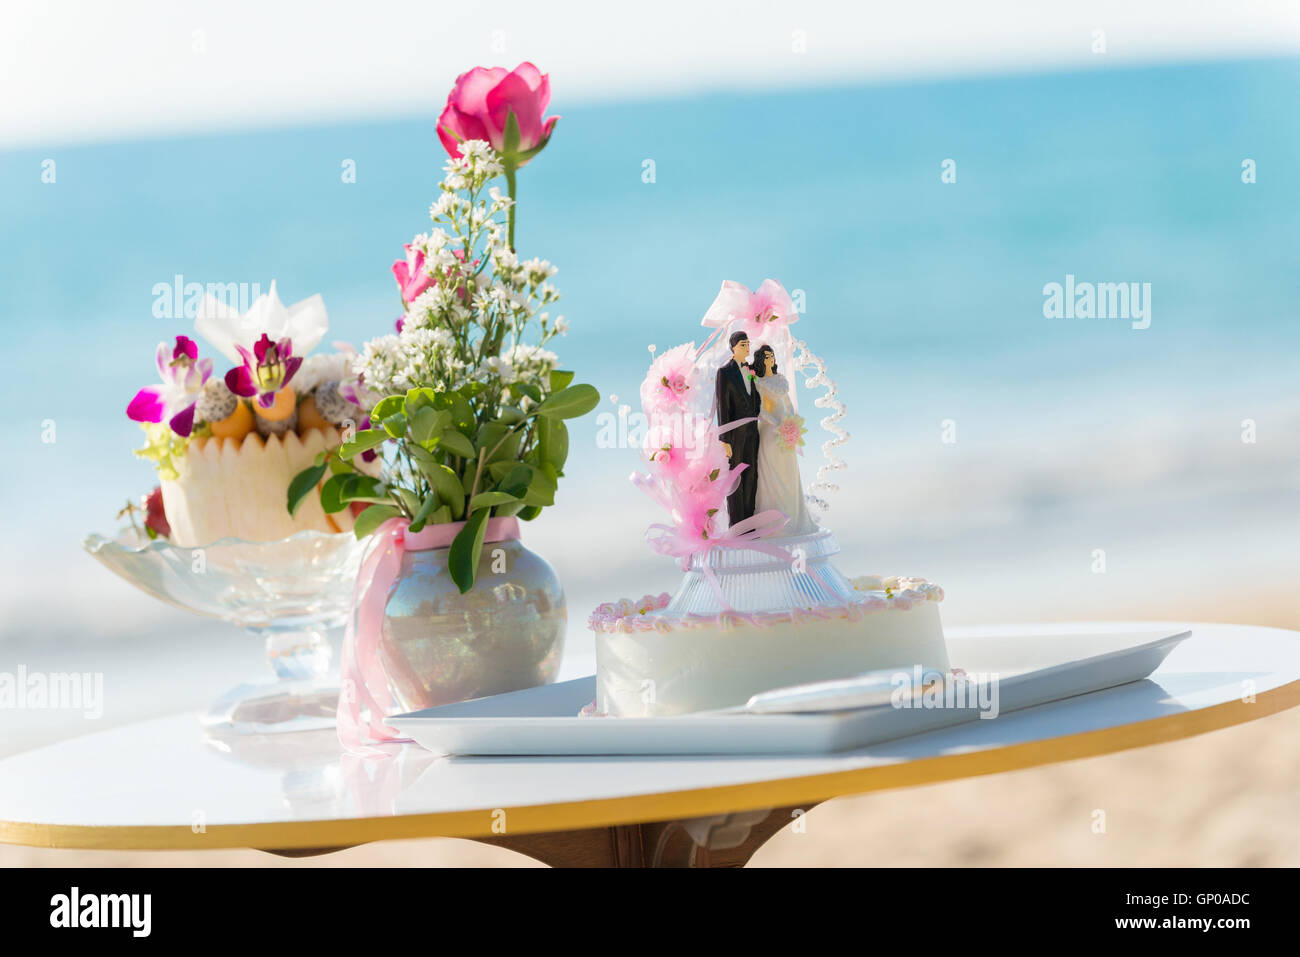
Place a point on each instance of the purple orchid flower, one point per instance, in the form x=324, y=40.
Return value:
x=266, y=370
x=183, y=376
x=370, y=454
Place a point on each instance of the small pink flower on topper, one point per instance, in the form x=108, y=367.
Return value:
x=670, y=384
x=759, y=313
x=673, y=439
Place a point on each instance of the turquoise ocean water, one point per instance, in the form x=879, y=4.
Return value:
x=926, y=297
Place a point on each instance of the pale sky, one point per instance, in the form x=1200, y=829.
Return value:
x=75, y=71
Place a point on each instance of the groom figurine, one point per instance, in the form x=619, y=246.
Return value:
x=736, y=397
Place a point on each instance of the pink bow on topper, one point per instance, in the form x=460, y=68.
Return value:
x=670, y=540
x=764, y=314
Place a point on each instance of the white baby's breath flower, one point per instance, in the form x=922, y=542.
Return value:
x=539, y=270
x=561, y=325
x=501, y=367
x=532, y=358
x=445, y=205
x=380, y=363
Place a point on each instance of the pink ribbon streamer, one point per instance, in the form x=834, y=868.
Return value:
x=743, y=534
x=363, y=683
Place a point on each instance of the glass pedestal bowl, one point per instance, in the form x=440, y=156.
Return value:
x=287, y=593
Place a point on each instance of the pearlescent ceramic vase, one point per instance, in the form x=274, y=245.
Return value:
x=506, y=633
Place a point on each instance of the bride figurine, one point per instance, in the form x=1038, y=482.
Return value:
x=780, y=433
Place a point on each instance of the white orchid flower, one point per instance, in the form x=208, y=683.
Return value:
x=304, y=323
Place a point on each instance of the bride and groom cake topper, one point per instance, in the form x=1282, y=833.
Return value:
x=754, y=394
x=724, y=442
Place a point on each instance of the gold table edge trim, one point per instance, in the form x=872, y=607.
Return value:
x=637, y=809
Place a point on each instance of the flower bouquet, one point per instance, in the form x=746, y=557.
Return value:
x=791, y=431
x=466, y=403
x=226, y=447
x=466, y=408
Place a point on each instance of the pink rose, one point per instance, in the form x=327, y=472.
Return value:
x=481, y=102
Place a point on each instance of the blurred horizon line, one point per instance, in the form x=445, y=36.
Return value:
x=372, y=116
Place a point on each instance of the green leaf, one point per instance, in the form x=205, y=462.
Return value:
x=570, y=403
x=340, y=466
x=364, y=488
x=560, y=380
x=421, y=518
x=510, y=447
x=516, y=481
x=500, y=440
x=372, y=518
x=541, y=490
x=427, y=423
x=530, y=512
x=510, y=415
x=395, y=425
x=363, y=442
x=462, y=414
x=490, y=434
x=387, y=406
x=331, y=493
x=422, y=398
x=553, y=441
x=424, y=458
x=466, y=547
x=457, y=444
x=447, y=484
x=409, y=499
x=303, y=483
x=441, y=516
x=528, y=389
x=486, y=500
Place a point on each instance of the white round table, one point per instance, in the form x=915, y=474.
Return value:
x=164, y=784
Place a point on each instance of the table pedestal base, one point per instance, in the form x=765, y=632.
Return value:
x=722, y=840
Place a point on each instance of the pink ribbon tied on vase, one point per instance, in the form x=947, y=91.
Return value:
x=362, y=681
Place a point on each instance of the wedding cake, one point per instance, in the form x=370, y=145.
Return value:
x=761, y=605
x=226, y=448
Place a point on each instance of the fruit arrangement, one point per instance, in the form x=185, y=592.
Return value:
x=227, y=447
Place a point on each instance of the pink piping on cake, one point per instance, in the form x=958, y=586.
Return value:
x=627, y=616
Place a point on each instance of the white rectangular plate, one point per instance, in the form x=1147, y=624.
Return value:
x=1031, y=670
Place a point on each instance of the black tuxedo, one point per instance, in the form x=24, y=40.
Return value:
x=734, y=402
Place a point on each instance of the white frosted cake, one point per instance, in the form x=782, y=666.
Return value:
x=761, y=606
x=654, y=657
